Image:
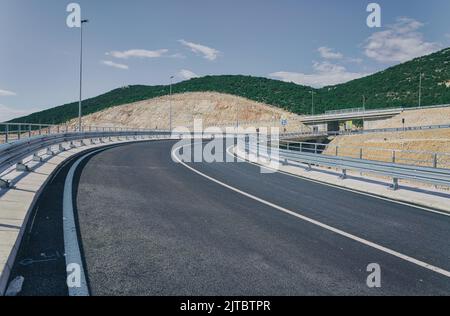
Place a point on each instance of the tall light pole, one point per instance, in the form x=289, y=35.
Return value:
x=312, y=101
x=420, y=88
x=364, y=111
x=170, y=104
x=81, y=74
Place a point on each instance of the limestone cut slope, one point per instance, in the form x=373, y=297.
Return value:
x=215, y=109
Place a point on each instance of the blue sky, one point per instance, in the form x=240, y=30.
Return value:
x=146, y=41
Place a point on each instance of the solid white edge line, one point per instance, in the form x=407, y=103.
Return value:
x=339, y=187
x=314, y=222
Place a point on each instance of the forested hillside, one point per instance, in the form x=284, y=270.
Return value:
x=393, y=87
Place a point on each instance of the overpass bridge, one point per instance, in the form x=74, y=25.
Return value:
x=329, y=121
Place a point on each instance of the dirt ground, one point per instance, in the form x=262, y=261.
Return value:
x=413, y=147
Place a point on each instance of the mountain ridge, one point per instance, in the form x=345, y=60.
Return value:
x=393, y=87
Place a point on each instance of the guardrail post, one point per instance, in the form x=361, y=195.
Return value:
x=37, y=158
x=19, y=131
x=50, y=152
x=29, y=131
x=72, y=145
x=393, y=156
x=435, y=160
x=7, y=133
x=394, y=184
x=360, y=153
x=337, y=151
x=61, y=148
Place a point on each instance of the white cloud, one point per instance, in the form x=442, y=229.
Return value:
x=325, y=74
x=400, y=42
x=207, y=52
x=115, y=65
x=140, y=53
x=187, y=74
x=8, y=113
x=328, y=53
x=178, y=56
x=6, y=93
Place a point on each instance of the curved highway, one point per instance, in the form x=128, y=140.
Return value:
x=150, y=226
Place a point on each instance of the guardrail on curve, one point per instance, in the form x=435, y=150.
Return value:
x=436, y=176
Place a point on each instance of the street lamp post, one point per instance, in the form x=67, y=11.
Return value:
x=170, y=104
x=364, y=111
x=81, y=74
x=312, y=102
x=420, y=89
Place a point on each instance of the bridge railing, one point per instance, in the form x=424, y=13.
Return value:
x=10, y=132
x=35, y=146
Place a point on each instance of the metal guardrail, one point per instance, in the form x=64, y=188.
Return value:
x=16, y=131
x=367, y=131
x=408, y=157
x=15, y=152
x=436, y=176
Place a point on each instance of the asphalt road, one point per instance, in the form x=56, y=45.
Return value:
x=149, y=226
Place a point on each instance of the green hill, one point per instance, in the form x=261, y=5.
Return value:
x=394, y=87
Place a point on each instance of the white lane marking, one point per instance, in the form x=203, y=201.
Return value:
x=339, y=187
x=317, y=223
x=71, y=245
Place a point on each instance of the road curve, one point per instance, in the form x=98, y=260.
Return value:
x=150, y=226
